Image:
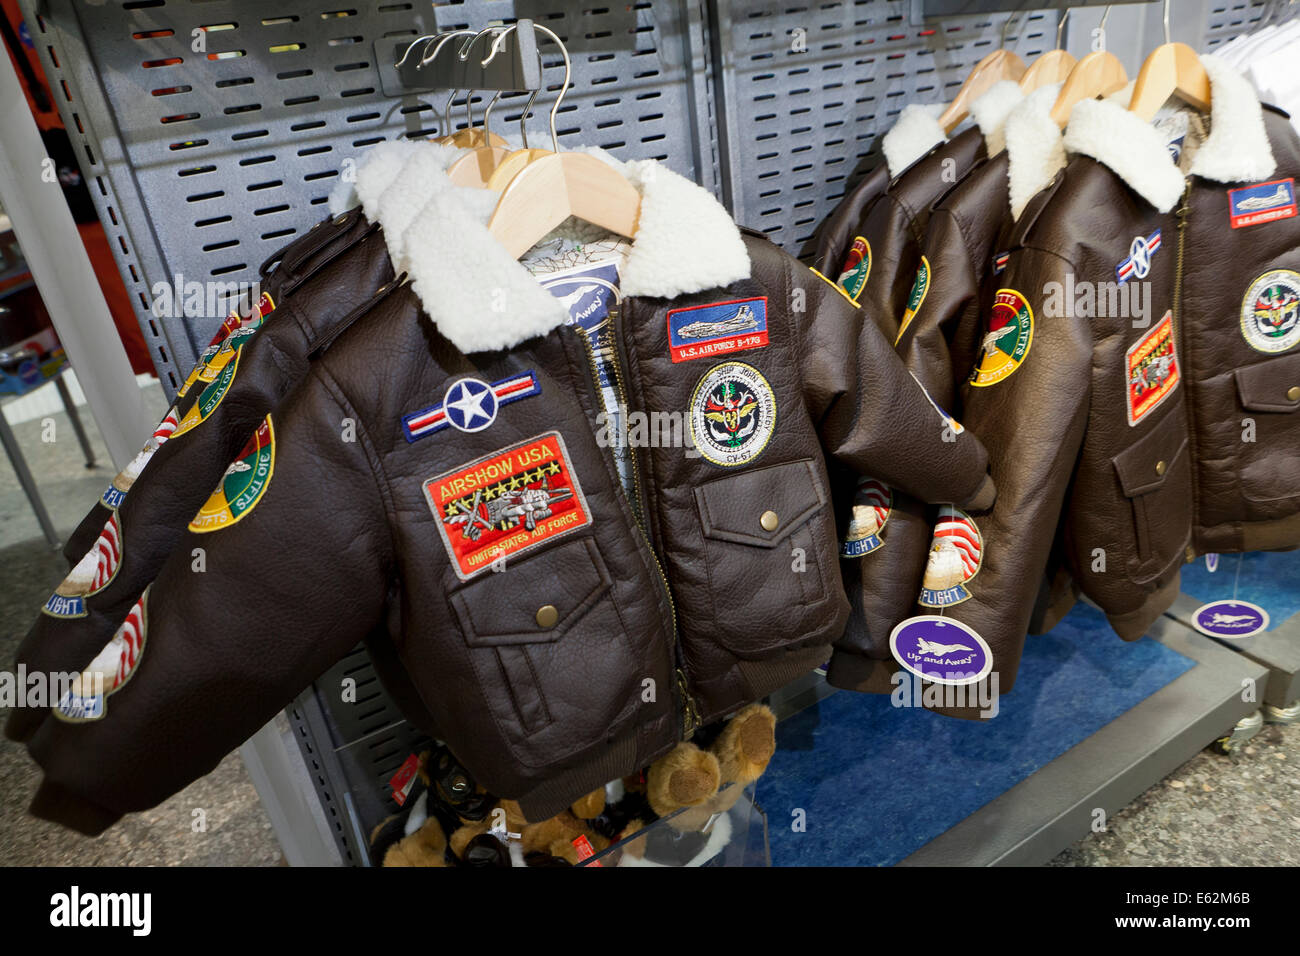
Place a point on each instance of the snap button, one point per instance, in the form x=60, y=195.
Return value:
x=769, y=521
x=1190, y=554
x=547, y=616
x=340, y=219
x=1161, y=467
x=1293, y=393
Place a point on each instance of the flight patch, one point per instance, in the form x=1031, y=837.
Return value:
x=243, y=484
x=856, y=269
x=92, y=574
x=1007, y=342
x=1138, y=263
x=956, y=554
x=469, y=405
x=1270, y=312
x=1263, y=202
x=707, y=331
x=115, y=494
x=920, y=286
x=112, y=667
x=872, y=502
x=733, y=414
x=1151, y=370
x=507, y=503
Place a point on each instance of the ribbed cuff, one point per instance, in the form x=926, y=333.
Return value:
x=58, y=804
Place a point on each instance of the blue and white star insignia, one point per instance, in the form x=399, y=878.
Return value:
x=470, y=405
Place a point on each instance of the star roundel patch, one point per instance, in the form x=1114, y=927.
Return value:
x=112, y=667
x=243, y=484
x=733, y=414
x=1270, y=312
x=469, y=405
x=1007, y=342
x=956, y=554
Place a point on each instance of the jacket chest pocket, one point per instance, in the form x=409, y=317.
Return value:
x=1155, y=477
x=768, y=540
x=550, y=651
x=1268, y=467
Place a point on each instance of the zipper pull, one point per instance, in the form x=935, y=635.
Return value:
x=690, y=713
x=1184, y=209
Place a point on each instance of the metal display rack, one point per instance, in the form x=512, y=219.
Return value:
x=211, y=132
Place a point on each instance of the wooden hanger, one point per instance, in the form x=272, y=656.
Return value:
x=1171, y=69
x=1052, y=67
x=997, y=66
x=551, y=188
x=1099, y=73
x=476, y=167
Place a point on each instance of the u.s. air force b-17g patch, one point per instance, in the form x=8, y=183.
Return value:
x=707, y=331
x=506, y=503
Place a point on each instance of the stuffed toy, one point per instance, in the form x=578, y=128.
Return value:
x=703, y=782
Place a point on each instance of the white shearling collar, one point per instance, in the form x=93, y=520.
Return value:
x=914, y=133
x=1236, y=149
x=480, y=297
x=1035, y=152
x=990, y=113
x=917, y=129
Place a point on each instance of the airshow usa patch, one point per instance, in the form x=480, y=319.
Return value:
x=1151, y=366
x=1263, y=202
x=243, y=484
x=506, y=503
x=707, y=331
x=1007, y=342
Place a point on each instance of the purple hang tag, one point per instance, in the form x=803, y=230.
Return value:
x=941, y=650
x=1235, y=619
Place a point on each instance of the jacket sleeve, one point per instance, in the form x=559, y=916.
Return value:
x=283, y=570
x=1028, y=400
x=875, y=417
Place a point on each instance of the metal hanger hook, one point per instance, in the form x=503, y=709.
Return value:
x=1060, y=27
x=1006, y=25
x=427, y=38
x=568, y=76
x=1166, y=19
x=1104, y=15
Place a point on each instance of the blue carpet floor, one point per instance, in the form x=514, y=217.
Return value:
x=877, y=782
x=1270, y=579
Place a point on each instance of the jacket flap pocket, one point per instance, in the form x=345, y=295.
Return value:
x=761, y=507
x=1270, y=386
x=534, y=601
x=1143, y=466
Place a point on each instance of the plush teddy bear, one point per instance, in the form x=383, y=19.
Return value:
x=691, y=778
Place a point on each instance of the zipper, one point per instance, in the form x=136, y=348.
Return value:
x=1183, y=213
x=690, y=715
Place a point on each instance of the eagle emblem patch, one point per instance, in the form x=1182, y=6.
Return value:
x=1270, y=312
x=871, y=506
x=733, y=414
x=112, y=667
x=956, y=553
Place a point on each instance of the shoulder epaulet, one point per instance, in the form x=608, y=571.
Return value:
x=318, y=348
x=288, y=263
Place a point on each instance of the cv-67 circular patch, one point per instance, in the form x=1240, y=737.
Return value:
x=733, y=414
x=1270, y=312
x=1007, y=342
x=243, y=484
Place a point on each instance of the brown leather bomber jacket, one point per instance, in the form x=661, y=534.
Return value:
x=1138, y=375
x=441, y=476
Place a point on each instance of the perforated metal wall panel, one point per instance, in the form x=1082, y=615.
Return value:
x=1229, y=19
x=214, y=130
x=806, y=87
